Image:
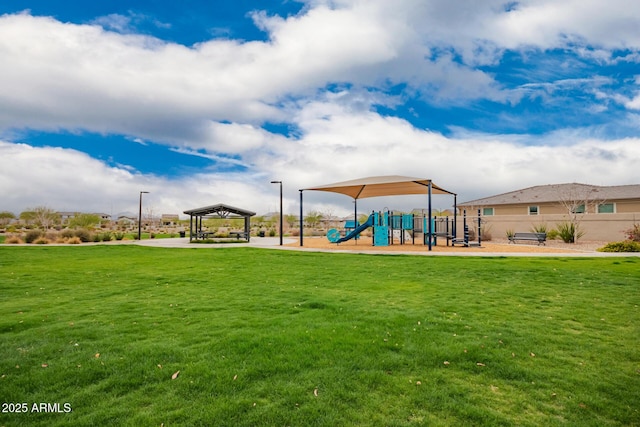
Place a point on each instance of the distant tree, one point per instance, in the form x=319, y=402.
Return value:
x=291, y=220
x=84, y=220
x=578, y=200
x=313, y=219
x=328, y=215
x=362, y=218
x=27, y=216
x=6, y=217
x=43, y=217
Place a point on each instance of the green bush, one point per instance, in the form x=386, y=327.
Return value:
x=32, y=236
x=552, y=234
x=624, y=246
x=106, y=236
x=569, y=232
x=118, y=235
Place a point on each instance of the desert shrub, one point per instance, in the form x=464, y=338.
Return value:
x=42, y=241
x=624, y=246
x=633, y=233
x=272, y=232
x=569, y=232
x=74, y=240
x=32, y=236
x=83, y=234
x=118, y=235
x=14, y=240
x=67, y=233
x=510, y=233
x=52, y=236
x=96, y=237
x=485, y=232
x=552, y=234
x=106, y=236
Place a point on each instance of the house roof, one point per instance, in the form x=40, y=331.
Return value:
x=376, y=186
x=556, y=192
x=222, y=210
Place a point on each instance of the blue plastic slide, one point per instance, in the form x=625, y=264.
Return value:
x=368, y=223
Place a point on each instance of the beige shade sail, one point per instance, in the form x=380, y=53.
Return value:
x=377, y=186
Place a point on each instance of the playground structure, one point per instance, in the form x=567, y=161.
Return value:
x=384, y=186
x=389, y=228
x=465, y=241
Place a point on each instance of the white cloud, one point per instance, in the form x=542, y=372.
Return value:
x=633, y=104
x=68, y=76
x=336, y=144
x=211, y=99
x=69, y=180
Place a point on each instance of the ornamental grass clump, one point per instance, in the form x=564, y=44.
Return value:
x=14, y=240
x=569, y=232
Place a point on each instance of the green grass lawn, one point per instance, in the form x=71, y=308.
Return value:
x=267, y=337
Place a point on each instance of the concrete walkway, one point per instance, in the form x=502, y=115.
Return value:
x=183, y=242
x=274, y=243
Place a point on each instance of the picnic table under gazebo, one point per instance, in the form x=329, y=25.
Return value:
x=196, y=217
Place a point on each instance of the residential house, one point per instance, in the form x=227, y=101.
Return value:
x=602, y=212
x=169, y=219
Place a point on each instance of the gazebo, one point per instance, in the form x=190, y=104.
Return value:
x=221, y=211
x=376, y=186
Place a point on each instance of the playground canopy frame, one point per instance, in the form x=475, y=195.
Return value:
x=378, y=186
x=221, y=211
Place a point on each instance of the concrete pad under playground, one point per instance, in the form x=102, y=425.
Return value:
x=291, y=244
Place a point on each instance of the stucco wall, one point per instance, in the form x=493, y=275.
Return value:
x=602, y=227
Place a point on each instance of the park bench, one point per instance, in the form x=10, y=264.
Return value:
x=211, y=234
x=239, y=234
x=541, y=238
x=204, y=234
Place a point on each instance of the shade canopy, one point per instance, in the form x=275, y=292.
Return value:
x=196, y=216
x=377, y=186
x=221, y=210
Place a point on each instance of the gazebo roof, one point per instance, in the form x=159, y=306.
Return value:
x=377, y=186
x=222, y=210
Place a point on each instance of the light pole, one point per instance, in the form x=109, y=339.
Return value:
x=280, y=182
x=140, y=216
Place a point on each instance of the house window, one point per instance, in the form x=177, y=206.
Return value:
x=578, y=210
x=607, y=208
x=487, y=211
x=533, y=210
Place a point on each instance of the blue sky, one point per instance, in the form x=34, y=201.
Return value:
x=202, y=102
